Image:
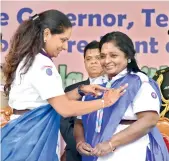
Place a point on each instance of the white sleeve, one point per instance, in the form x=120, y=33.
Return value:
x=146, y=99
x=46, y=79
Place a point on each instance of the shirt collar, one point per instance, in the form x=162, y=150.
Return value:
x=43, y=52
x=99, y=80
x=120, y=75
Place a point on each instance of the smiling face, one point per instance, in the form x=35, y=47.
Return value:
x=55, y=43
x=112, y=59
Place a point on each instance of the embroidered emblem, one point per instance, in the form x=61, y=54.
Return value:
x=49, y=71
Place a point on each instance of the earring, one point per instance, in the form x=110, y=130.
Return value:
x=129, y=61
x=44, y=41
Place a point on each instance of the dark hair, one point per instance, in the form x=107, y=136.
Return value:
x=125, y=44
x=91, y=45
x=28, y=41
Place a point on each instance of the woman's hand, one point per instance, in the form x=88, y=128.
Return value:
x=84, y=148
x=112, y=95
x=103, y=149
x=93, y=89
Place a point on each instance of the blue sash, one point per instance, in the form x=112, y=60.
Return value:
x=31, y=137
x=113, y=115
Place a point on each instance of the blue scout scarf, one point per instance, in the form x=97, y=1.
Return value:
x=114, y=114
x=32, y=136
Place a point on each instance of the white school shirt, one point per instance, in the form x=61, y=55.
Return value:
x=41, y=82
x=145, y=100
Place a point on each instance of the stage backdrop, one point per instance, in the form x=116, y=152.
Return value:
x=145, y=22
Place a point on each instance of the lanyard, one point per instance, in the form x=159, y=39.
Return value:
x=99, y=118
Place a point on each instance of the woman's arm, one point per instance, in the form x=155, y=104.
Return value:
x=146, y=121
x=79, y=131
x=68, y=108
x=81, y=145
x=74, y=94
x=146, y=100
x=85, y=89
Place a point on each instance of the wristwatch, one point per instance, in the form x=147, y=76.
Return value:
x=80, y=92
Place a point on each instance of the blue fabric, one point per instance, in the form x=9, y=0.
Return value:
x=158, y=150
x=31, y=137
x=113, y=115
x=148, y=156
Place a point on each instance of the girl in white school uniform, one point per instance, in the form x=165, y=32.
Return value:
x=35, y=91
x=126, y=131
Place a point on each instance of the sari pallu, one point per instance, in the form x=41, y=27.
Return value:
x=114, y=114
x=31, y=137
